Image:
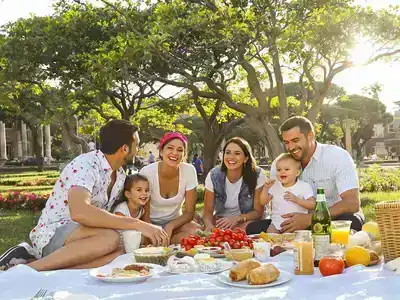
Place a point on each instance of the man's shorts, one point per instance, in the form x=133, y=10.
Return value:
x=59, y=238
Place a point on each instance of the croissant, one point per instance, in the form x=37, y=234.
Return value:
x=240, y=271
x=263, y=275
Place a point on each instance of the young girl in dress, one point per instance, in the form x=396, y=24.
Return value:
x=135, y=199
x=288, y=194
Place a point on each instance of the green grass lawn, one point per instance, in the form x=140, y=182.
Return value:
x=16, y=225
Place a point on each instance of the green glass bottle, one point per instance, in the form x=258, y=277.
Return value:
x=321, y=227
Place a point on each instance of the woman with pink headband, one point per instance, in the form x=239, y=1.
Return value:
x=172, y=182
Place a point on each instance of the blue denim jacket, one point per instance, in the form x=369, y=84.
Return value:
x=246, y=200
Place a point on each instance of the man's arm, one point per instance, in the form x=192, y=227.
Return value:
x=350, y=203
x=88, y=215
x=346, y=180
x=84, y=213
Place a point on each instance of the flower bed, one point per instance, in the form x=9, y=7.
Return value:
x=23, y=200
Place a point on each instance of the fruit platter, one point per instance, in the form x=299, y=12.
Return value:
x=212, y=243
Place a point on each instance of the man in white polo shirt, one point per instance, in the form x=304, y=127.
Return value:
x=324, y=166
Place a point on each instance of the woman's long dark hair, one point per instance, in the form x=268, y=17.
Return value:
x=249, y=169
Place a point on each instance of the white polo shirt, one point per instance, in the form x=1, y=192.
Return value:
x=330, y=168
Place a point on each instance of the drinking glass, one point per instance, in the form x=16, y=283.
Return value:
x=340, y=232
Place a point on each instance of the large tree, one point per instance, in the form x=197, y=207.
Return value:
x=206, y=44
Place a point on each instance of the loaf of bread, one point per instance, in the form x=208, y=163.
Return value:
x=263, y=275
x=242, y=269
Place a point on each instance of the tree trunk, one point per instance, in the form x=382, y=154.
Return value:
x=268, y=135
x=66, y=141
x=126, y=115
x=280, y=87
x=68, y=145
x=313, y=113
x=72, y=130
x=37, y=147
x=212, y=143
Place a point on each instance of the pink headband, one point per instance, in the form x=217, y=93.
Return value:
x=172, y=135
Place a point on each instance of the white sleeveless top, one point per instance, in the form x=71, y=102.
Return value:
x=162, y=210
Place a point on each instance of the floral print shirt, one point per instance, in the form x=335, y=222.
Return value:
x=91, y=171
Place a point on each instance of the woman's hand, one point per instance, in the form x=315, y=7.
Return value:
x=169, y=230
x=228, y=222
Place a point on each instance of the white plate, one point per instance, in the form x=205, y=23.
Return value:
x=226, y=265
x=283, y=277
x=155, y=269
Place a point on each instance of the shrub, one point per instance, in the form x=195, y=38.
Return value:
x=26, y=200
x=27, y=182
x=200, y=193
x=30, y=174
x=377, y=179
x=39, y=182
x=12, y=181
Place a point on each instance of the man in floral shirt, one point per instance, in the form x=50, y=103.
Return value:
x=76, y=229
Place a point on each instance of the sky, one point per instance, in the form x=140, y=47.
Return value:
x=353, y=79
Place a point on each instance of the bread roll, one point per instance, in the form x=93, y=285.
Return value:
x=263, y=275
x=240, y=271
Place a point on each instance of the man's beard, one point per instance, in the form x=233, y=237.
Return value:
x=128, y=160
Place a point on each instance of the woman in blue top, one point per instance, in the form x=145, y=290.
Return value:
x=232, y=195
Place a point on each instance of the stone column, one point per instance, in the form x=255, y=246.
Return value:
x=19, y=145
x=3, y=142
x=40, y=138
x=47, y=142
x=24, y=137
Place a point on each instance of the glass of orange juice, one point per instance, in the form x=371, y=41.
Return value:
x=340, y=232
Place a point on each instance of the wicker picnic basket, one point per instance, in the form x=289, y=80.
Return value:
x=388, y=218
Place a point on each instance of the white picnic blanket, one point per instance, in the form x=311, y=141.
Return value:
x=373, y=283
